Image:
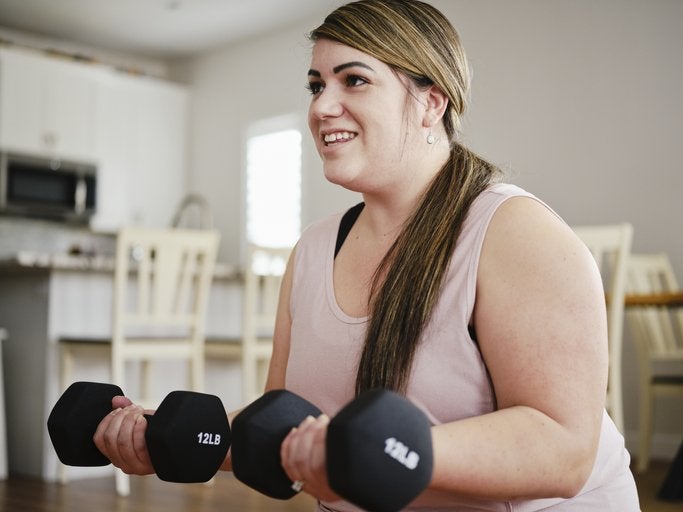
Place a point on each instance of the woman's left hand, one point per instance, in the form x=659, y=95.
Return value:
x=303, y=457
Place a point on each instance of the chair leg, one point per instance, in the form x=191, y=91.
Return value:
x=65, y=368
x=249, y=376
x=645, y=428
x=616, y=405
x=122, y=483
x=121, y=480
x=197, y=372
x=247, y=392
x=145, y=380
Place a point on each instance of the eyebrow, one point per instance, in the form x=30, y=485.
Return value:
x=341, y=67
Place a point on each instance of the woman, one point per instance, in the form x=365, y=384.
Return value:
x=469, y=296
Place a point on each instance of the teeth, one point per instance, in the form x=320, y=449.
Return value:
x=334, y=137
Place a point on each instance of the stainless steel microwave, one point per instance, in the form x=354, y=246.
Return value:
x=39, y=187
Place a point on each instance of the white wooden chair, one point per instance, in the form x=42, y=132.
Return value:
x=162, y=279
x=611, y=246
x=262, y=278
x=658, y=335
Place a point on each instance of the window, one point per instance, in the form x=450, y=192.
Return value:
x=273, y=183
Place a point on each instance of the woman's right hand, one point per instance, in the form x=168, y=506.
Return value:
x=120, y=436
x=303, y=457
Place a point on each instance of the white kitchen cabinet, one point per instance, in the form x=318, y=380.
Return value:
x=161, y=153
x=115, y=143
x=47, y=105
x=141, y=144
x=133, y=128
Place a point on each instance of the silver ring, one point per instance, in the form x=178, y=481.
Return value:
x=298, y=485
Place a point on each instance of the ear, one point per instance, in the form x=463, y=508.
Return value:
x=435, y=107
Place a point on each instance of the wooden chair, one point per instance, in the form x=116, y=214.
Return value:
x=611, y=246
x=657, y=332
x=262, y=278
x=162, y=279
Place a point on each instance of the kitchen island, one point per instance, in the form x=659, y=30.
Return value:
x=49, y=296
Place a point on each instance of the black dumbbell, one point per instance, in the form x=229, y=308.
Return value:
x=257, y=433
x=379, y=449
x=187, y=437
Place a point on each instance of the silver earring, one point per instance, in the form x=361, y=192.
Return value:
x=430, y=137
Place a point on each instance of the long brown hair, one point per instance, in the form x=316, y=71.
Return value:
x=414, y=39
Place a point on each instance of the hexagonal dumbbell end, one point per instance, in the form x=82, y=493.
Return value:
x=74, y=419
x=188, y=437
x=258, y=432
x=379, y=451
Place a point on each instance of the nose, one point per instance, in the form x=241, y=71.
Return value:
x=325, y=105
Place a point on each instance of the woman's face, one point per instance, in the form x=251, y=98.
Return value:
x=364, y=121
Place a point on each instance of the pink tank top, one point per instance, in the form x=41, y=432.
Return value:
x=449, y=380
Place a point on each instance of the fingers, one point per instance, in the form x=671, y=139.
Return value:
x=126, y=442
x=303, y=457
x=297, y=447
x=318, y=449
x=120, y=436
x=119, y=402
x=108, y=434
x=139, y=441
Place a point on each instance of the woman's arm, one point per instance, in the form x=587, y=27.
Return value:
x=541, y=325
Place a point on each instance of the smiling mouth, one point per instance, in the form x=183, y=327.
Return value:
x=338, y=137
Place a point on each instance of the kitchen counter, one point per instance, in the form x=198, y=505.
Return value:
x=27, y=260
x=58, y=261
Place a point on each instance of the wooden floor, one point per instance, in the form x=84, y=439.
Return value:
x=649, y=484
x=148, y=494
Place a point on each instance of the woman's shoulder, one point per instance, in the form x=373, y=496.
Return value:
x=510, y=203
x=321, y=232
x=525, y=232
x=499, y=192
x=323, y=224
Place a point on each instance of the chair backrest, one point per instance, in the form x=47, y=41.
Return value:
x=263, y=276
x=162, y=280
x=610, y=245
x=660, y=327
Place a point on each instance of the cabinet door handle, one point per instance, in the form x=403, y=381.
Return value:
x=80, y=195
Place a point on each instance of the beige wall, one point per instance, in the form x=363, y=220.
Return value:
x=584, y=101
x=581, y=100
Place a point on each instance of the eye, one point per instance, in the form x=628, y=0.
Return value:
x=355, y=81
x=314, y=87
